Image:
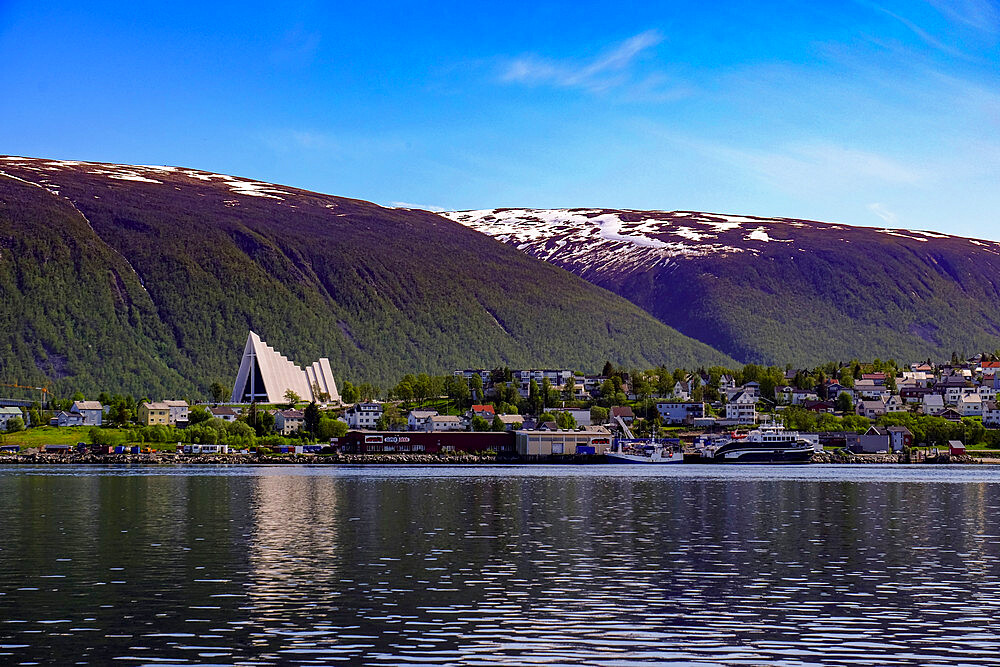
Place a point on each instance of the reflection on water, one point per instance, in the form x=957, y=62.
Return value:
x=533, y=565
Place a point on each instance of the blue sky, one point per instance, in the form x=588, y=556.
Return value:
x=882, y=114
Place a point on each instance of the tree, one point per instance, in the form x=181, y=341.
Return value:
x=349, y=394
x=319, y=394
x=598, y=415
x=608, y=369
x=565, y=420
x=457, y=389
x=498, y=424
x=78, y=396
x=219, y=392
x=546, y=391
x=310, y=417
x=845, y=404
x=480, y=424
x=534, y=400
x=15, y=424
x=331, y=428
x=476, y=387
x=198, y=414
x=292, y=398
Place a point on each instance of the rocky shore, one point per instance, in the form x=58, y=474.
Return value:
x=408, y=459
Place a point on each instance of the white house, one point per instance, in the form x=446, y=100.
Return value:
x=742, y=409
x=91, y=411
x=933, y=404
x=682, y=391
x=991, y=414
x=6, y=414
x=680, y=413
x=871, y=409
x=895, y=404
x=363, y=415
x=444, y=423
x=223, y=412
x=417, y=419
x=178, y=411
x=970, y=405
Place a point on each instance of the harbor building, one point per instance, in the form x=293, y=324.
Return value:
x=266, y=375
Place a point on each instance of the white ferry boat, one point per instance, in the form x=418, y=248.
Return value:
x=768, y=443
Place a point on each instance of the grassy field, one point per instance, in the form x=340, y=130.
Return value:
x=51, y=435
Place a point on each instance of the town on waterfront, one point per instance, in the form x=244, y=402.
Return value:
x=877, y=411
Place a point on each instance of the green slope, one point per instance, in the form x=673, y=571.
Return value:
x=381, y=292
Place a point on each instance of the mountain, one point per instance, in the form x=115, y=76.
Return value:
x=147, y=279
x=775, y=290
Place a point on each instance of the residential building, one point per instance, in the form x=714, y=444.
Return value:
x=970, y=405
x=512, y=422
x=895, y=404
x=444, y=423
x=63, y=418
x=223, y=412
x=901, y=437
x=623, y=412
x=178, y=412
x=680, y=413
x=6, y=414
x=991, y=414
x=153, y=414
x=682, y=391
x=487, y=412
x=742, y=409
x=287, y=422
x=871, y=409
x=91, y=411
x=363, y=415
x=933, y=404
x=875, y=441
x=417, y=419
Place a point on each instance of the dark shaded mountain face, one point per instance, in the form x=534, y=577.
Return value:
x=147, y=279
x=775, y=291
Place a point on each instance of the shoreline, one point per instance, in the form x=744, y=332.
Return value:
x=436, y=459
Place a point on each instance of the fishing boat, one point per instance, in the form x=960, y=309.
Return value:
x=768, y=443
x=643, y=450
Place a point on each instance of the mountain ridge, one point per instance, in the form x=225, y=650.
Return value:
x=747, y=284
x=176, y=264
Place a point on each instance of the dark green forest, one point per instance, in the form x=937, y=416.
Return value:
x=151, y=288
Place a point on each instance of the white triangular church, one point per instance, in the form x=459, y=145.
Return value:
x=265, y=375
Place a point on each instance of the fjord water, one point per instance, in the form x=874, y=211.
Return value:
x=598, y=565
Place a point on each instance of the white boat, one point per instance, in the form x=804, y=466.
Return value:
x=645, y=453
x=641, y=450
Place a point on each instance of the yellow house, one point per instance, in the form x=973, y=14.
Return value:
x=151, y=414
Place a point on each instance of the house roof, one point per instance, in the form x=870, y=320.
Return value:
x=423, y=414
x=899, y=429
x=449, y=419
x=511, y=419
x=88, y=405
x=622, y=411
x=176, y=404
x=223, y=411
x=292, y=414
x=484, y=408
x=10, y=411
x=156, y=406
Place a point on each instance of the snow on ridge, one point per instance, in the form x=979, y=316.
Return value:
x=760, y=234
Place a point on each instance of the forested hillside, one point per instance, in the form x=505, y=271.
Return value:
x=147, y=279
x=776, y=290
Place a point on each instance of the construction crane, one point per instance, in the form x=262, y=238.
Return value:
x=44, y=390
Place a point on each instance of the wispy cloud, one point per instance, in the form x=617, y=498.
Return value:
x=615, y=69
x=887, y=216
x=983, y=15
x=424, y=207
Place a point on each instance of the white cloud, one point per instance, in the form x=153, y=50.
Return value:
x=887, y=216
x=612, y=70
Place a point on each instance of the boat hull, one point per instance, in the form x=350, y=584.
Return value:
x=742, y=454
x=615, y=457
